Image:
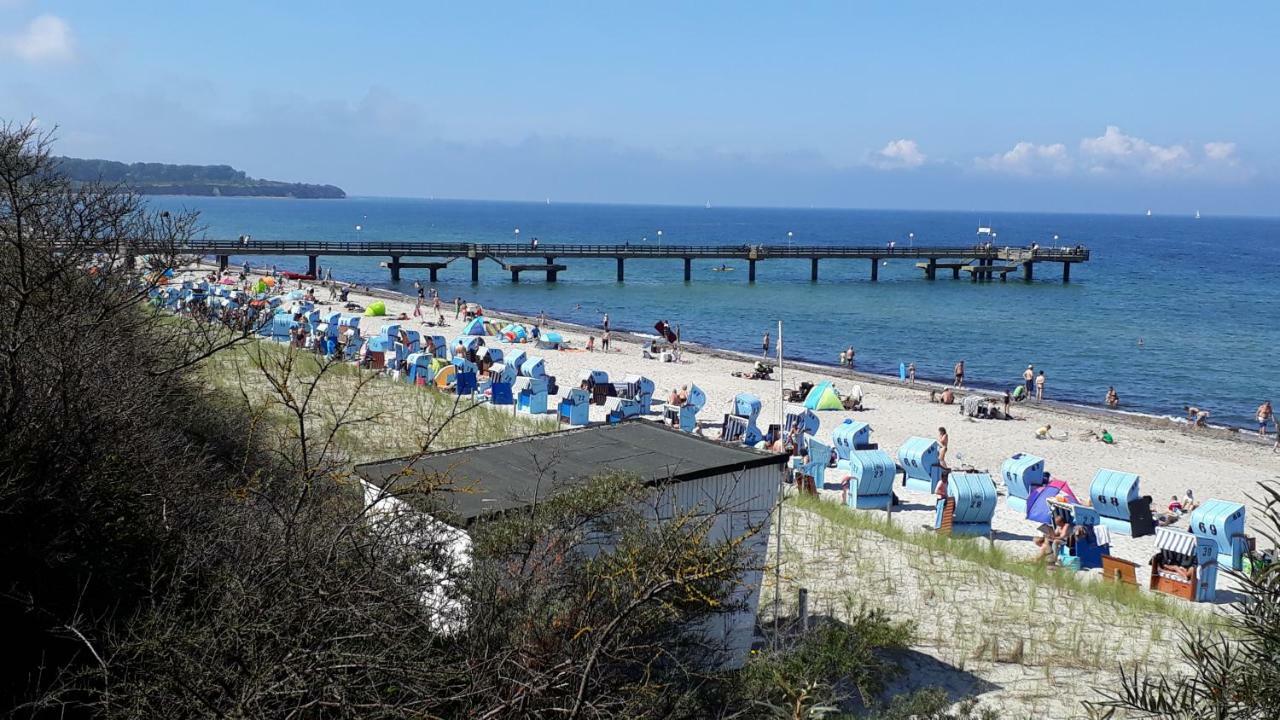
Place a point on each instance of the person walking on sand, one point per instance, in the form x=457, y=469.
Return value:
x=1040, y=386
x=764, y=344
x=959, y=372
x=1265, y=415
x=1029, y=379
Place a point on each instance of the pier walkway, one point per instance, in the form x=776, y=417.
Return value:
x=978, y=261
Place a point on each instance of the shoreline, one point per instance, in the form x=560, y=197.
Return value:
x=1103, y=415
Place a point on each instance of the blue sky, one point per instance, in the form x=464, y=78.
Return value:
x=1112, y=107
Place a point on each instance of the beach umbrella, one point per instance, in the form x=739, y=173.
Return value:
x=268, y=281
x=1038, y=509
x=475, y=327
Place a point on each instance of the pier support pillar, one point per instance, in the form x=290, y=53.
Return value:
x=312, y=264
x=434, y=273
x=813, y=270
x=688, y=269
x=620, y=270
x=751, y=270
x=977, y=273
x=551, y=270
x=955, y=273
x=875, y=269
x=394, y=267
x=1066, y=272
x=515, y=276
x=223, y=262
x=475, y=269
x=931, y=270
x=1028, y=271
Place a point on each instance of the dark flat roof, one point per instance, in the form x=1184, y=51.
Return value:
x=497, y=477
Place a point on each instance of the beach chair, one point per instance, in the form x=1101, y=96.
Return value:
x=444, y=378
x=531, y=395
x=596, y=382
x=919, y=460
x=1124, y=510
x=501, y=394
x=1022, y=473
x=1184, y=565
x=1222, y=522
x=850, y=436
x=687, y=414
x=967, y=509
x=418, y=369
x=870, y=479
x=748, y=406
x=640, y=389
x=1119, y=570
x=801, y=419
x=465, y=382
x=1090, y=541
x=439, y=346
x=515, y=359
x=574, y=408
x=534, y=367
x=733, y=428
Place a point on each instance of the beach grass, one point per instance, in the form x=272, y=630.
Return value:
x=1047, y=638
x=372, y=416
x=986, y=554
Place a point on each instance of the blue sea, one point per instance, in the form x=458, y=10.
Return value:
x=1170, y=310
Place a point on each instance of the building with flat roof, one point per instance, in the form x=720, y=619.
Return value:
x=736, y=485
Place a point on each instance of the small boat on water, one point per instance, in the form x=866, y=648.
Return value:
x=1197, y=214
x=1148, y=213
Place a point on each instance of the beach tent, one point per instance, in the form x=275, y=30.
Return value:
x=1038, y=500
x=377, y=308
x=823, y=396
x=475, y=327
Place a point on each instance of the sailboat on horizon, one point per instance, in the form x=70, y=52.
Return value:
x=1197, y=214
x=1148, y=213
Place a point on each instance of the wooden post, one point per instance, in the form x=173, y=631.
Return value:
x=1028, y=272
x=434, y=271
x=955, y=273
x=875, y=269
x=515, y=275
x=475, y=269
x=1066, y=272
x=551, y=270
x=813, y=270
x=931, y=270
x=620, y=272
x=311, y=265
x=688, y=269
x=394, y=267
x=751, y=270
x=803, y=611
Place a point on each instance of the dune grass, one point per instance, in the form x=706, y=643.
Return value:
x=382, y=418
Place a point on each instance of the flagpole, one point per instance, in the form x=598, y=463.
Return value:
x=777, y=530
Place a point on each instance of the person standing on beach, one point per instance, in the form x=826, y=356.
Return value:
x=764, y=344
x=417, y=304
x=604, y=341
x=943, y=440
x=911, y=373
x=1029, y=379
x=1040, y=386
x=457, y=306
x=959, y=371
x=1113, y=399
x=605, y=321
x=1265, y=415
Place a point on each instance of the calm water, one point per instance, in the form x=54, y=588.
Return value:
x=1202, y=294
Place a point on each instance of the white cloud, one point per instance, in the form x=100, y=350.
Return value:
x=899, y=154
x=1027, y=158
x=46, y=38
x=1223, y=152
x=1114, y=150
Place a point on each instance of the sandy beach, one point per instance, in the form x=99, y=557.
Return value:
x=1169, y=457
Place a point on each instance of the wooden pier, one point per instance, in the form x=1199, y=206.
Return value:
x=981, y=262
